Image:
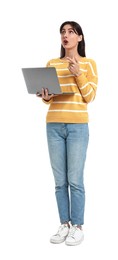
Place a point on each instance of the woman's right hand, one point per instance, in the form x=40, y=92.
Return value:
x=44, y=94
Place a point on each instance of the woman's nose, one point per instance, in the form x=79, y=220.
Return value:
x=65, y=34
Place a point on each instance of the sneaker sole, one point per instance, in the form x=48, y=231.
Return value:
x=74, y=243
x=57, y=242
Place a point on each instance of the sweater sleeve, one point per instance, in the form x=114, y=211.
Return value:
x=87, y=84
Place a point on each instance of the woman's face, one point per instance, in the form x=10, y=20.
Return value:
x=69, y=39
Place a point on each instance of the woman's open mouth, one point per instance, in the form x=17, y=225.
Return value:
x=65, y=42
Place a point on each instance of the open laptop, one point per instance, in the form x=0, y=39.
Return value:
x=43, y=77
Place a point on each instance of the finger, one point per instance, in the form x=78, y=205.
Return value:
x=43, y=92
x=70, y=60
x=48, y=96
x=71, y=67
x=76, y=61
x=52, y=95
x=46, y=92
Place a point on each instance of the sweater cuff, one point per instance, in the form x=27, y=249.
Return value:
x=80, y=78
x=47, y=101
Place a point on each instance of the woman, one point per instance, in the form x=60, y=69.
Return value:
x=67, y=130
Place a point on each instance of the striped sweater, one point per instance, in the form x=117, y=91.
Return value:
x=72, y=108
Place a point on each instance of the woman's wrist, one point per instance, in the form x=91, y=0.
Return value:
x=78, y=74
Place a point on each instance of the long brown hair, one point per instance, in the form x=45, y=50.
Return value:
x=78, y=30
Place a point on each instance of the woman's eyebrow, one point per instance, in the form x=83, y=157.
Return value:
x=67, y=29
x=70, y=28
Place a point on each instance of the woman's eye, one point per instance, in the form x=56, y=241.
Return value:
x=71, y=31
x=63, y=32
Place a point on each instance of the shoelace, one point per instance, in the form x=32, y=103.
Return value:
x=61, y=228
x=72, y=231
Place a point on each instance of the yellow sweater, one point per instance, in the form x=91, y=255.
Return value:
x=72, y=108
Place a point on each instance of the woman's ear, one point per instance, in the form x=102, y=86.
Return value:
x=79, y=38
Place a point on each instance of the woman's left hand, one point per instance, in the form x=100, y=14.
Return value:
x=73, y=66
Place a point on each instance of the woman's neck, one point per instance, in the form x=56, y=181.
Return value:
x=72, y=54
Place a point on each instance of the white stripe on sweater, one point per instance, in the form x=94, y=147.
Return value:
x=69, y=84
x=88, y=93
x=88, y=62
x=68, y=102
x=88, y=83
x=73, y=111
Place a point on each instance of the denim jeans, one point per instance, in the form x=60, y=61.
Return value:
x=67, y=144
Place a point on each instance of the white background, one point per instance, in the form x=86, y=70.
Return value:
x=29, y=36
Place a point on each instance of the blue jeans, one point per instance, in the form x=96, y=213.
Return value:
x=67, y=144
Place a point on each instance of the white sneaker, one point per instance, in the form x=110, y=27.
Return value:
x=75, y=236
x=61, y=234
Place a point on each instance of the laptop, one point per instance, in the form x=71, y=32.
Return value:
x=43, y=77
